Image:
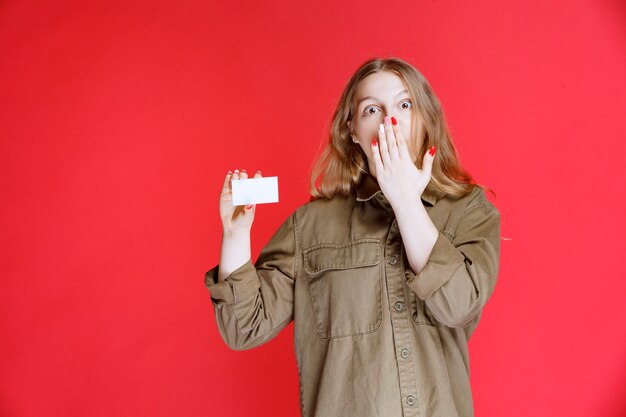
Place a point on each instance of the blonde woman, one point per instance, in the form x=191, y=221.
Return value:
x=386, y=270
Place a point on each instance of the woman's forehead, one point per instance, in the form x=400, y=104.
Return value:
x=380, y=85
x=382, y=81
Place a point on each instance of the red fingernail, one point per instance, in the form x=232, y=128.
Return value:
x=432, y=151
x=393, y=121
x=374, y=142
x=248, y=207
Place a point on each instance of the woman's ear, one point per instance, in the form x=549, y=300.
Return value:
x=352, y=135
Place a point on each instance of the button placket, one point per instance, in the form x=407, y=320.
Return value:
x=401, y=324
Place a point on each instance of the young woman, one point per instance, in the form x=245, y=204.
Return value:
x=384, y=272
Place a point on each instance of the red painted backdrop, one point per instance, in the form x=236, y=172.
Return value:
x=119, y=120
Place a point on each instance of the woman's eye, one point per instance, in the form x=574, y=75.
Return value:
x=408, y=103
x=367, y=110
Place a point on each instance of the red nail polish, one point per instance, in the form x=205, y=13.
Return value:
x=393, y=121
x=432, y=151
x=248, y=207
x=374, y=142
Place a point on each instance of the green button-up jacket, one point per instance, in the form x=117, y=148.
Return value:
x=372, y=338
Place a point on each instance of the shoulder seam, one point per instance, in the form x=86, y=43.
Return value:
x=474, y=206
x=296, y=254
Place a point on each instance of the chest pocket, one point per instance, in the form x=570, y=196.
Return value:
x=345, y=284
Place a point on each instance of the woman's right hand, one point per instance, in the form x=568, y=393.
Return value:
x=235, y=219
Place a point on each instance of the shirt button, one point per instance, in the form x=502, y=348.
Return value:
x=404, y=353
x=399, y=306
x=393, y=260
x=410, y=400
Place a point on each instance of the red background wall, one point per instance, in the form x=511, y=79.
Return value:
x=119, y=120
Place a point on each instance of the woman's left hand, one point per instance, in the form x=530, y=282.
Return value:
x=396, y=173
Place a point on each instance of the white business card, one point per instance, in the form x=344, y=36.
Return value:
x=255, y=191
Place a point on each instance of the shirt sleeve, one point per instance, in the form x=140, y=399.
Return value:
x=255, y=302
x=460, y=274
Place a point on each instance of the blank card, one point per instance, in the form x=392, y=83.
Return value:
x=255, y=191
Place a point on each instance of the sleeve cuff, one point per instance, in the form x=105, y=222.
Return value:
x=241, y=283
x=444, y=261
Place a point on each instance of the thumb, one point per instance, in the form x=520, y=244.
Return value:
x=249, y=207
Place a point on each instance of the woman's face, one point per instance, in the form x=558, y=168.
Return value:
x=378, y=95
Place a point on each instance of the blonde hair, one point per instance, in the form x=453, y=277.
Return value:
x=342, y=164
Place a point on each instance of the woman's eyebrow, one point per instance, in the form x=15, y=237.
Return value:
x=374, y=98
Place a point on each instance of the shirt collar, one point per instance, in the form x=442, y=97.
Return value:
x=368, y=188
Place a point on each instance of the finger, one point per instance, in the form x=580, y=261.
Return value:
x=234, y=177
x=378, y=163
x=258, y=174
x=243, y=175
x=403, y=147
x=384, y=150
x=391, y=139
x=226, y=186
x=427, y=164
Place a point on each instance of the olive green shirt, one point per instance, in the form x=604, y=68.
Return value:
x=371, y=337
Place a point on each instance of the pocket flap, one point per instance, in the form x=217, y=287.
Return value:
x=354, y=254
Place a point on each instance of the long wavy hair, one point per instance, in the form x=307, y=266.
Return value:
x=342, y=164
